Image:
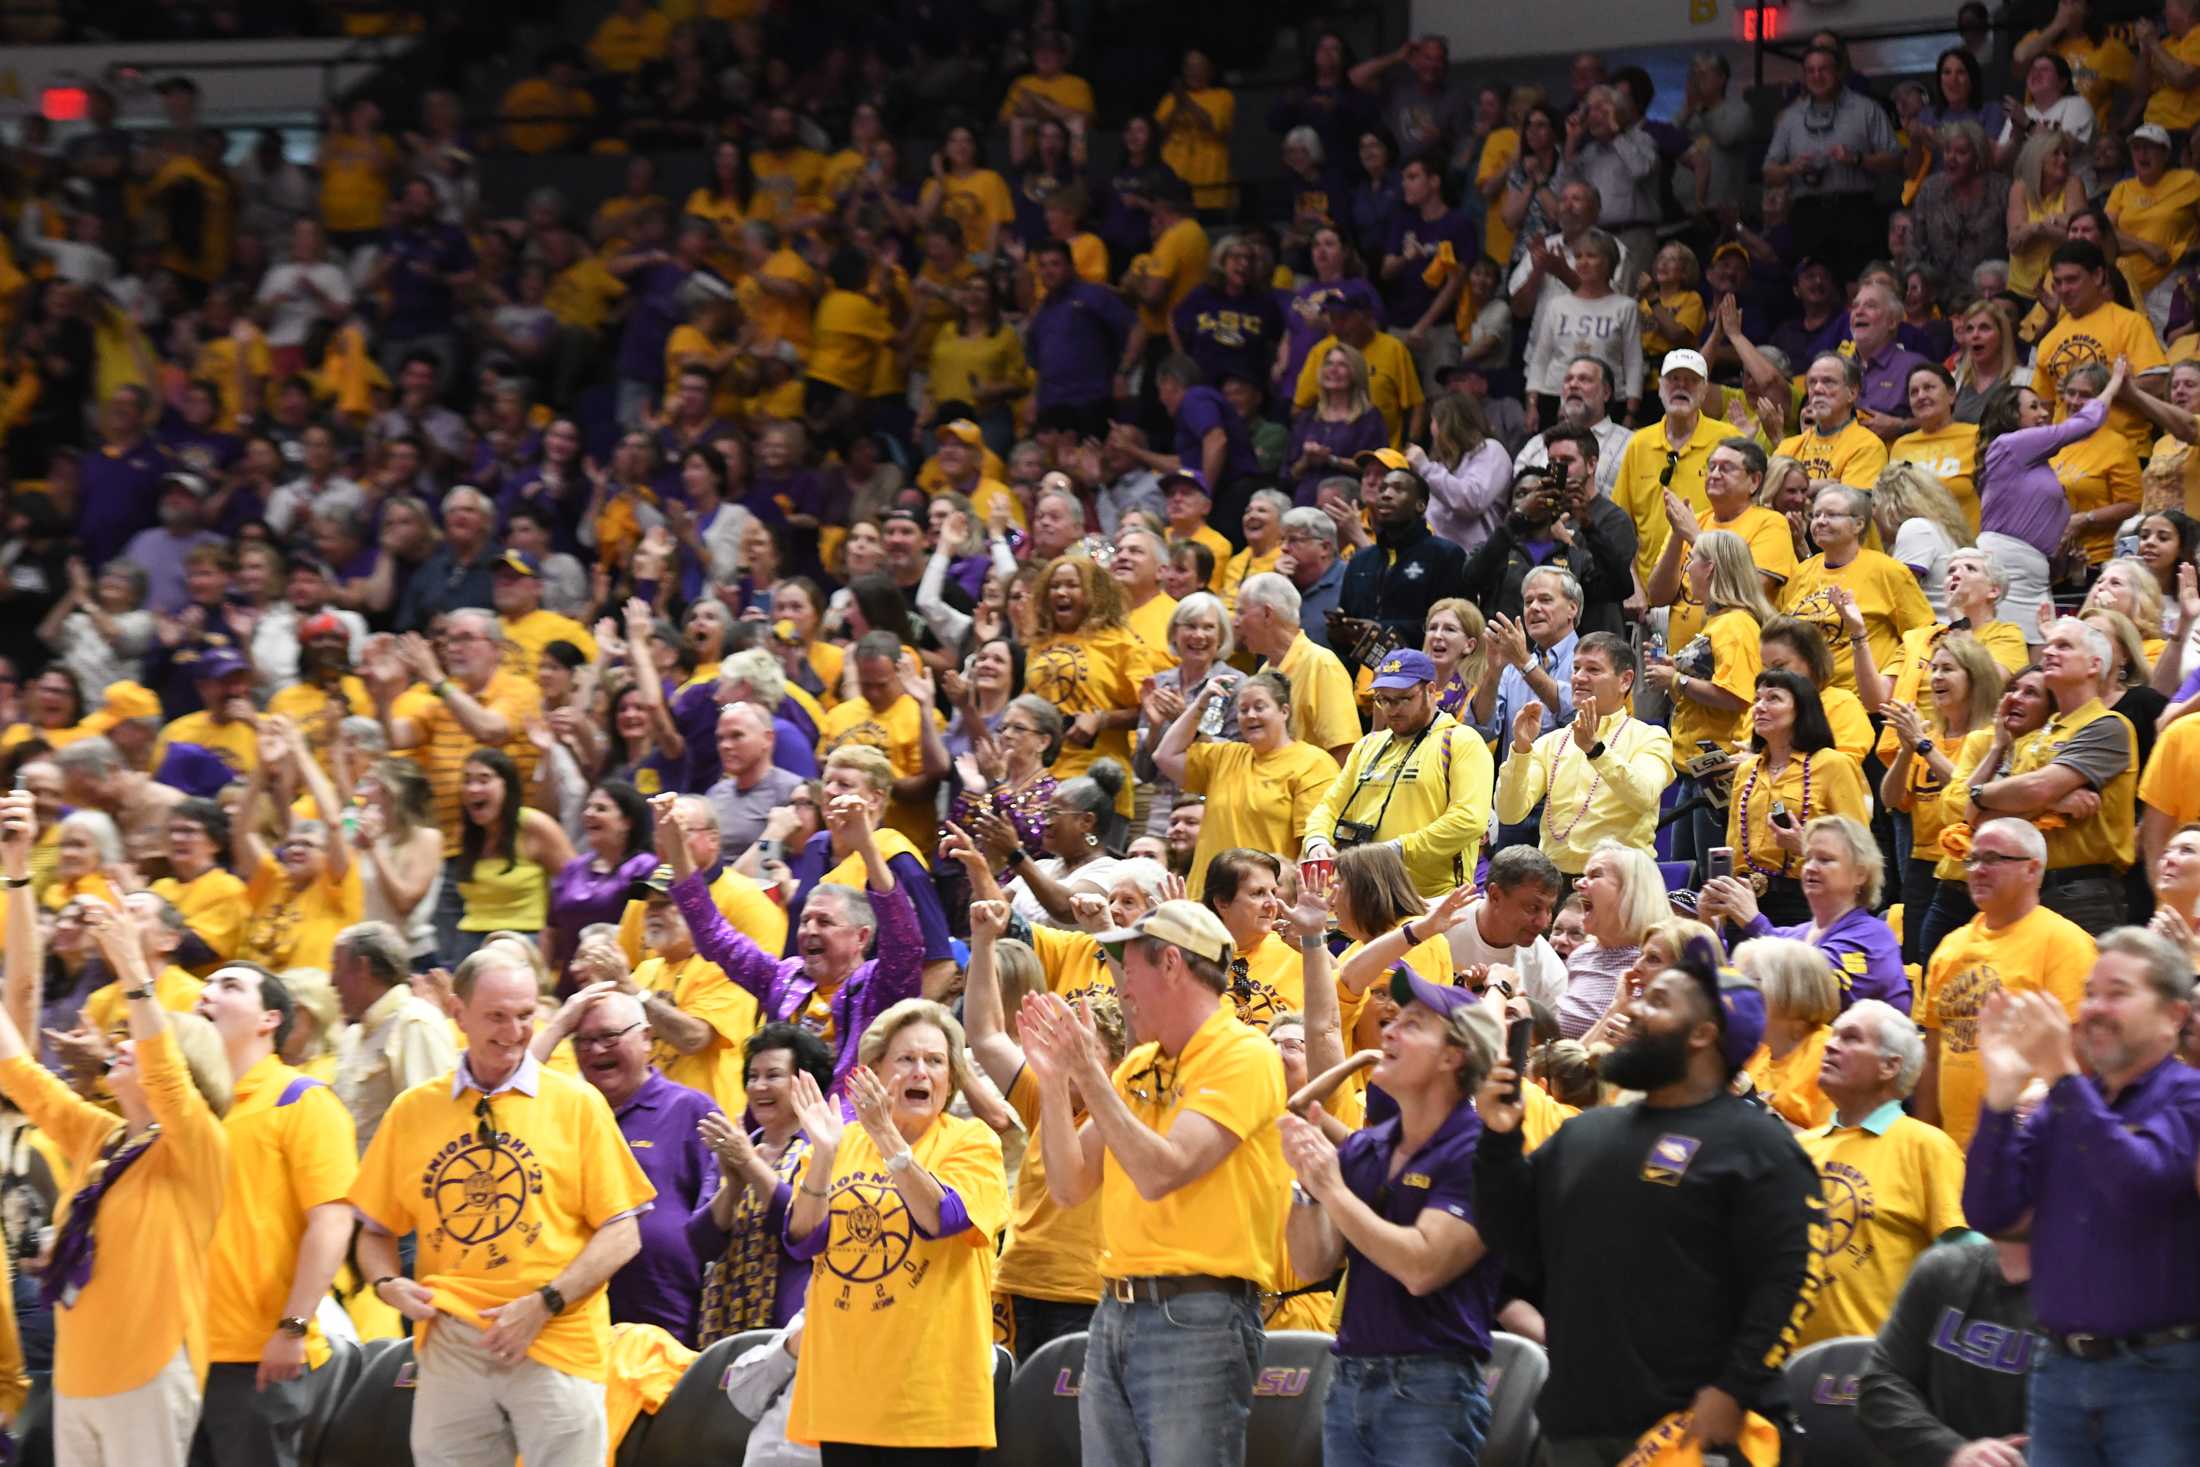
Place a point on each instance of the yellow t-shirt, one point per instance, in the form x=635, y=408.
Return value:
x=1220, y=1225
x=526, y=636
x=1180, y=256
x=623, y=45
x=2177, y=108
x=700, y=988
x=1258, y=801
x=1062, y=89
x=1393, y=383
x=2097, y=471
x=1892, y=1186
x=849, y=330
x=215, y=906
x=1770, y=545
x=289, y=1152
x=963, y=365
x=317, y=714
x=355, y=180
x=2167, y=215
x=2107, y=838
x=1854, y=456
x=1150, y=624
x=786, y=184
x=296, y=928
x=2108, y=332
x=1072, y=962
x=106, y=1011
x=235, y=743
x=2002, y=640
x=563, y=110
x=2098, y=71
x=2171, y=783
x=1886, y=592
x=1500, y=150
x=1735, y=663
x=1790, y=1085
x=1687, y=310
x=1430, y=794
x=1274, y=982
x=2041, y=951
x=1836, y=788
x=218, y=362
x=979, y=201
x=1091, y=672
x=1052, y=1252
x=1245, y=563
x=777, y=318
x=497, y=1222
x=582, y=293
x=1638, y=488
x=1323, y=711
x=898, y=733
x=745, y=907
x=1951, y=456
x=881, y=1291
x=1197, y=155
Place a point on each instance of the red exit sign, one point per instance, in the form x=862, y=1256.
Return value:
x=1771, y=24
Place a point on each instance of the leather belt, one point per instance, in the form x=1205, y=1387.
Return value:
x=2084, y=1346
x=1156, y=1289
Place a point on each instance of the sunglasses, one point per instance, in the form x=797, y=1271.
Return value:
x=485, y=1123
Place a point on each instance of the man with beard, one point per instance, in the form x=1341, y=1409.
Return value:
x=159, y=551
x=1692, y=1204
x=1558, y=519
x=1390, y=585
x=1670, y=454
x=1584, y=401
x=2105, y=1168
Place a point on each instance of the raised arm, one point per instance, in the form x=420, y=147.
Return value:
x=984, y=1022
x=24, y=980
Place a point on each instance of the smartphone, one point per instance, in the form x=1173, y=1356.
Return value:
x=1780, y=816
x=769, y=850
x=1719, y=861
x=1517, y=1034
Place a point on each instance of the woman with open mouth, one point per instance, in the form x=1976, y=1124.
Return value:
x=899, y=1212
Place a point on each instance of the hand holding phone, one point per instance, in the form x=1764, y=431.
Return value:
x=1517, y=1034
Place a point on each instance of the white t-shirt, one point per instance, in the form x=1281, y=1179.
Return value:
x=1925, y=547
x=1541, y=971
x=294, y=308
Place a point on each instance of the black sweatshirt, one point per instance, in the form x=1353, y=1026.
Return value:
x=1674, y=1247
x=1953, y=1360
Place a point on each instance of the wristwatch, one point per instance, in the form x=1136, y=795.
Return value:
x=136, y=993
x=15, y=883
x=1978, y=796
x=1924, y=747
x=552, y=1299
x=901, y=1161
x=292, y=1325
x=1596, y=750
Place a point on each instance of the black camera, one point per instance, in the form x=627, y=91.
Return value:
x=1352, y=833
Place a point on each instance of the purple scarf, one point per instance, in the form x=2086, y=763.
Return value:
x=74, y=1247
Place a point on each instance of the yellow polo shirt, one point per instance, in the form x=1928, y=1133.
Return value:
x=1052, y=1251
x=2106, y=838
x=1892, y=1185
x=1854, y=455
x=215, y=906
x=1640, y=489
x=1324, y=712
x=1611, y=797
x=2042, y=951
x=499, y=1221
x=1246, y=563
x=291, y=1149
x=1220, y=1225
x=1836, y=788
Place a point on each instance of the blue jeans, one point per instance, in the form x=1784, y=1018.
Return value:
x=1171, y=1384
x=1425, y=1409
x=2137, y=1410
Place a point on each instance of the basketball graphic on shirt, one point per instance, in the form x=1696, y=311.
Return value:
x=1848, y=1206
x=479, y=1191
x=1958, y=1003
x=872, y=1234
x=1055, y=672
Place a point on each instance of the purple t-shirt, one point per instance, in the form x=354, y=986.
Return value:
x=118, y=494
x=420, y=301
x=1203, y=410
x=1406, y=294
x=1074, y=342
x=655, y=292
x=1230, y=333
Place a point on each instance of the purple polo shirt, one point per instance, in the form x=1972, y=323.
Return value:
x=663, y=1284
x=1203, y=410
x=118, y=494
x=654, y=291
x=1887, y=380
x=1074, y=340
x=1862, y=951
x=1381, y=1316
x=2114, y=1210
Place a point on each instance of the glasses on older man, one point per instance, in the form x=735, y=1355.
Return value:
x=603, y=1038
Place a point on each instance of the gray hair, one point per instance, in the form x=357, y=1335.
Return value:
x=1144, y=872
x=2096, y=642
x=101, y=828
x=1313, y=524
x=2169, y=967
x=1851, y=371
x=1341, y=484
x=855, y=906
x=96, y=757
x=1996, y=574
x=1898, y=1041
x=380, y=946
x=480, y=501
x=1208, y=604
x=695, y=812
x=767, y=683
x=2024, y=833
x=1568, y=586
x=1272, y=591
x=364, y=732
x=1986, y=270
x=1858, y=501
x=1886, y=295
x=1275, y=499
x=482, y=620
x=1307, y=138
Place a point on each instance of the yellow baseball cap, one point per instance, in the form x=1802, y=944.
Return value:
x=124, y=701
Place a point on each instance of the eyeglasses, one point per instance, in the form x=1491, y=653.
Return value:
x=485, y=1123
x=1978, y=859
x=601, y=1041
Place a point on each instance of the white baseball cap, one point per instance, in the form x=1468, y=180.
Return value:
x=1685, y=360
x=2153, y=133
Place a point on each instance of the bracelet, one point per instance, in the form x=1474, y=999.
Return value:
x=811, y=1191
x=1406, y=927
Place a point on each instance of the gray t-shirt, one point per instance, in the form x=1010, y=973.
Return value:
x=1812, y=128
x=741, y=813
x=1541, y=972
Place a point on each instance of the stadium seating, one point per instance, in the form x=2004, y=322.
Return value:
x=1517, y=1370
x=371, y=1425
x=697, y=1423
x=1821, y=1390
x=1285, y=1429
x=1041, y=1429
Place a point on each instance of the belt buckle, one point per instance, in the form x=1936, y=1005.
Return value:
x=1124, y=1291
x=2082, y=1344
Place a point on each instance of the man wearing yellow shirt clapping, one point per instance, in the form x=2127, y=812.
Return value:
x=1598, y=778
x=285, y=1226
x=525, y=1198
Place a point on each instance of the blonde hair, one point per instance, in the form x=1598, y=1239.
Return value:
x=1675, y=933
x=1907, y=492
x=2146, y=595
x=1642, y=900
x=199, y=1046
x=2032, y=160
x=1795, y=977
x=874, y=766
x=1103, y=597
x=1986, y=677
x=2005, y=321
x=879, y=1038
x=1457, y=427
x=1358, y=397
x=1018, y=971
x=1476, y=660
x=1735, y=584
x=1691, y=268
x=1863, y=853
x=1777, y=469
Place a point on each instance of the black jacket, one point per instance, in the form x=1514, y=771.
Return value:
x=1602, y=558
x=1394, y=581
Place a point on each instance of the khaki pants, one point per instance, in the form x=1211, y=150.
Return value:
x=150, y=1426
x=471, y=1411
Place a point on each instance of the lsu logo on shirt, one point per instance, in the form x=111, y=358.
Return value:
x=1669, y=1159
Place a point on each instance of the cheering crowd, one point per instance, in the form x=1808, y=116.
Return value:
x=1560, y=721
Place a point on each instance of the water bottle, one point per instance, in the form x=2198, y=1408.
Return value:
x=1217, y=710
